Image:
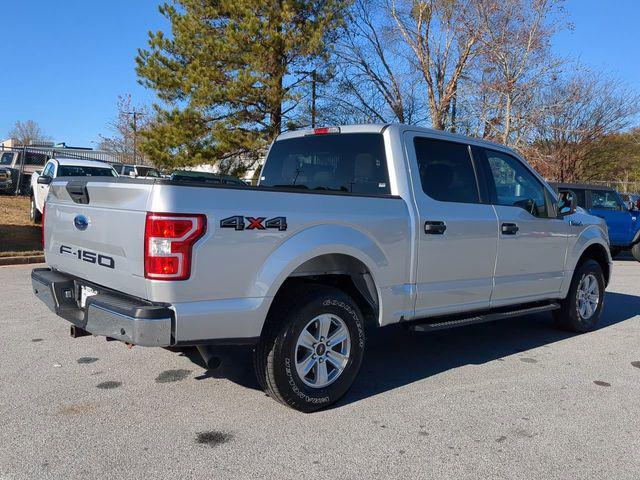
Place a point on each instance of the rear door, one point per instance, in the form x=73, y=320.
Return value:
x=532, y=241
x=608, y=205
x=458, y=234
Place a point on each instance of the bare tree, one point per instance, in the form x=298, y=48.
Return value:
x=374, y=82
x=581, y=111
x=126, y=129
x=443, y=36
x=28, y=133
x=514, y=66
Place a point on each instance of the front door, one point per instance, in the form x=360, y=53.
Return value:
x=458, y=233
x=533, y=241
x=608, y=205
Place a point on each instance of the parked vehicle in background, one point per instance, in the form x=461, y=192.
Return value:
x=605, y=202
x=205, y=177
x=136, y=171
x=350, y=227
x=62, y=167
x=632, y=200
x=12, y=163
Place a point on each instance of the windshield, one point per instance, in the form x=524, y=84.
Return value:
x=148, y=172
x=6, y=158
x=352, y=162
x=78, y=171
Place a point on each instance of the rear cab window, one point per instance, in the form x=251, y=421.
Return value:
x=348, y=163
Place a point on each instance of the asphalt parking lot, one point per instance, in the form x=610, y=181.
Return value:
x=513, y=399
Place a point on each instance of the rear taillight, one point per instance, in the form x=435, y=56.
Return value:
x=168, y=243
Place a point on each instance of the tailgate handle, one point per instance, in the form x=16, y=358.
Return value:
x=78, y=192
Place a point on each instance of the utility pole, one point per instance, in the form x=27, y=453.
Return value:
x=314, y=79
x=135, y=113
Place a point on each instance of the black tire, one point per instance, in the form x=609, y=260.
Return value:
x=276, y=354
x=568, y=317
x=635, y=251
x=34, y=215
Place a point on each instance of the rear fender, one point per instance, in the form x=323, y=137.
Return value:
x=311, y=243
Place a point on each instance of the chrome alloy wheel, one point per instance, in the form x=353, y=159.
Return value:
x=588, y=296
x=322, y=350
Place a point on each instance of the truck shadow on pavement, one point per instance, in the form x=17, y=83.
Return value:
x=396, y=357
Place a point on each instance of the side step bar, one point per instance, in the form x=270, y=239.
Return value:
x=439, y=323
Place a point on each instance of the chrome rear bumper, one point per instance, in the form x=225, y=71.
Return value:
x=108, y=313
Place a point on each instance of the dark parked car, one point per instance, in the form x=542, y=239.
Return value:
x=605, y=202
x=205, y=177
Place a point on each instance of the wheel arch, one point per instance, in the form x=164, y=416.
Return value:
x=335, y=255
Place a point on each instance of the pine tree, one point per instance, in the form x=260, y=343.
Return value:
x=232, y=73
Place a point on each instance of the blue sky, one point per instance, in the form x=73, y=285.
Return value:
x=65, y=62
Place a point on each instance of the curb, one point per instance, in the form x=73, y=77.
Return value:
x=4, y=261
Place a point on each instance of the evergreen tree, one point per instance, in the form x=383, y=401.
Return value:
x=233, y=73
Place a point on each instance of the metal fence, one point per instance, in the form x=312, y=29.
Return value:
x=21, y=162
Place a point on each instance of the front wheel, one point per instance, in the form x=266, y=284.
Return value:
x=312, y=348
x=635, y=251
x=581, y=310
x=34, y=215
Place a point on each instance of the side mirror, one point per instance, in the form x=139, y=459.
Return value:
x=44, y=180
x=568, y=203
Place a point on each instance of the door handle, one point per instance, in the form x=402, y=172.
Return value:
x=509, y=229
x=432, y=227
x=575, y=223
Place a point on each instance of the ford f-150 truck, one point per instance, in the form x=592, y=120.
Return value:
x=350, y=227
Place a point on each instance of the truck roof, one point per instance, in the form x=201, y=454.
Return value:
x=381, y=127
x=586, y=186
x=74, y=162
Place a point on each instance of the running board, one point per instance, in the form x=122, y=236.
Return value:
x=460, y=321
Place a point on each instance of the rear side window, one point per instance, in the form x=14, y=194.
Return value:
x=350, y=163
x=446, y=171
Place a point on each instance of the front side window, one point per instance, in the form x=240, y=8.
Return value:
x=446, y=171
x=605, y=200
x=513, y=185
x=128, y=170
x=350, y=163
x=6, y=158
x=48, y=170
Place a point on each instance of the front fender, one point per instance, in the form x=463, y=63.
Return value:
x=591, y=235
x=311, y=243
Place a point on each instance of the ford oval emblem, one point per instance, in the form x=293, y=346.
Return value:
x=81, y=222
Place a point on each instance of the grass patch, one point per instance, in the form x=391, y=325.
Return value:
x=18, y=236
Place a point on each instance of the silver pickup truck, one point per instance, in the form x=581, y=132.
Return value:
x=350, y=227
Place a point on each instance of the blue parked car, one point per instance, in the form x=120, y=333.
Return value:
x=605, y=202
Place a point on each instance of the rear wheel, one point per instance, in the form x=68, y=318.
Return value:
x=581, y=310
x=312, y=348
x=34, y=214
x=635, y=251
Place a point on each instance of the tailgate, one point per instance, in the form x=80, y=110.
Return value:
x=95, y=230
